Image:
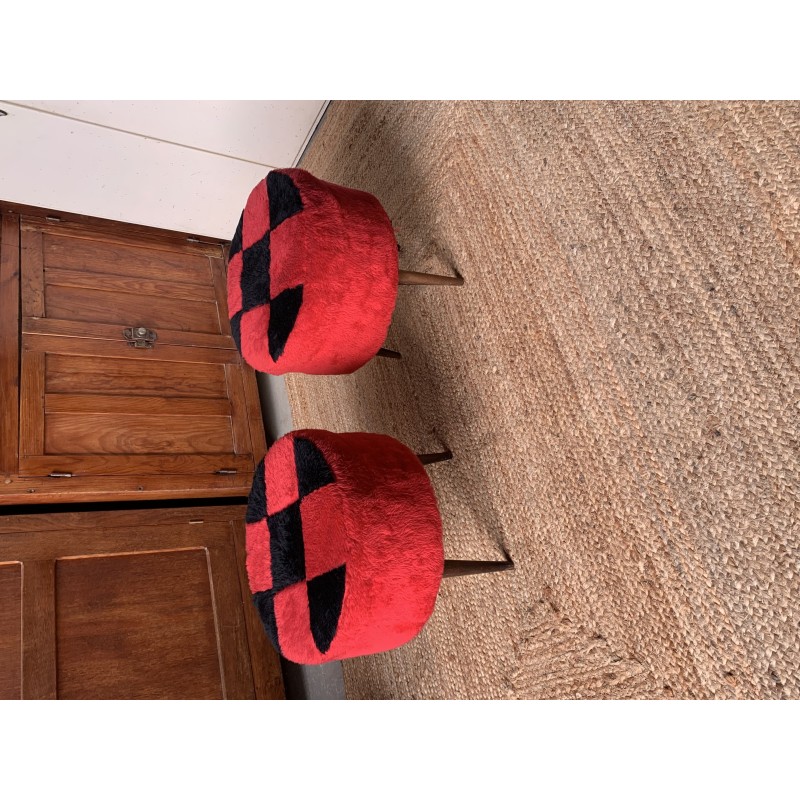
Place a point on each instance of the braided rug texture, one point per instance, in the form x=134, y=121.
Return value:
x=619, y=380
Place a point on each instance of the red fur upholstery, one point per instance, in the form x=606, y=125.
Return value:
x=334, y=242
x=349, y=559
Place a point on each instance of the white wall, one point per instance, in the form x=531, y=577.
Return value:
x=181, y=165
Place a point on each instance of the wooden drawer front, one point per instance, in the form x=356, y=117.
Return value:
x=130, y=605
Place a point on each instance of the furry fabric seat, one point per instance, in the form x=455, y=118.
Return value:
x=344, y=545
x=312, y=276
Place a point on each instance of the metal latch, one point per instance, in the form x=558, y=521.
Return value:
x=140, y=337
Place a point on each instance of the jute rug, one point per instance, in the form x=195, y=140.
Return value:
x=619, y=379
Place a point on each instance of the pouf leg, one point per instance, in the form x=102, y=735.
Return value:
x=453, y=569
x=432, y=458
x=409, y=278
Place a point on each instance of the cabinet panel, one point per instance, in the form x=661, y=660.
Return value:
x=144, y=260
x=122, y=416
x=136, y=434
x=136, y=626
x=112, y=404
x=136, y=286
x=68, y=374
x=9, y=342
x=161, y=471
x=129, y=310
x=130, y=604
x=80, y=331
x=117, y=283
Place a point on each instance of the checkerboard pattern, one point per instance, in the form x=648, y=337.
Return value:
x=284, y=565
x=283, y=202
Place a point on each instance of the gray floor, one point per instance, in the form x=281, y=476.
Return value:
x=322, y=682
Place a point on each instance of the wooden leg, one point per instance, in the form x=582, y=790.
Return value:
x=453, y=569
x=432, y=458
x=427, y=279
x=384, y=353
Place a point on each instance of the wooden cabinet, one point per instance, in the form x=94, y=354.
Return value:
x=130, y=605
x=120, y=381
x=120, y=377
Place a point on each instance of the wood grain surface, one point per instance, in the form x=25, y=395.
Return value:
x=38, y=628
x=130, y=604
x=10, y=630
x=200, y=466
x=108, y=282
x=130, y=310
x=9, y=342
x=94, y=255
x=133, y=377
x=135, y=434
x=137, y=626
x=113, y=332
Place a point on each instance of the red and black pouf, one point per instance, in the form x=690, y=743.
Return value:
x=312, y=276
x=344, y=545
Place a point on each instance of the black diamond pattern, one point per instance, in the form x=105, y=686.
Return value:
x=284, y=202
x=313, y=471
x=325, y=596
x=284, y=198
x=287, y=549
x=255, y=274
x=282, y=315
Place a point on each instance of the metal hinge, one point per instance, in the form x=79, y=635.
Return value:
x=226, y=472
x=140, y=337
x=53, y=219
x=60, y=474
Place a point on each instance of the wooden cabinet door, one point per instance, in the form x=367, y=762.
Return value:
x=166, y=412
x=130, y=605
x=182, y=411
